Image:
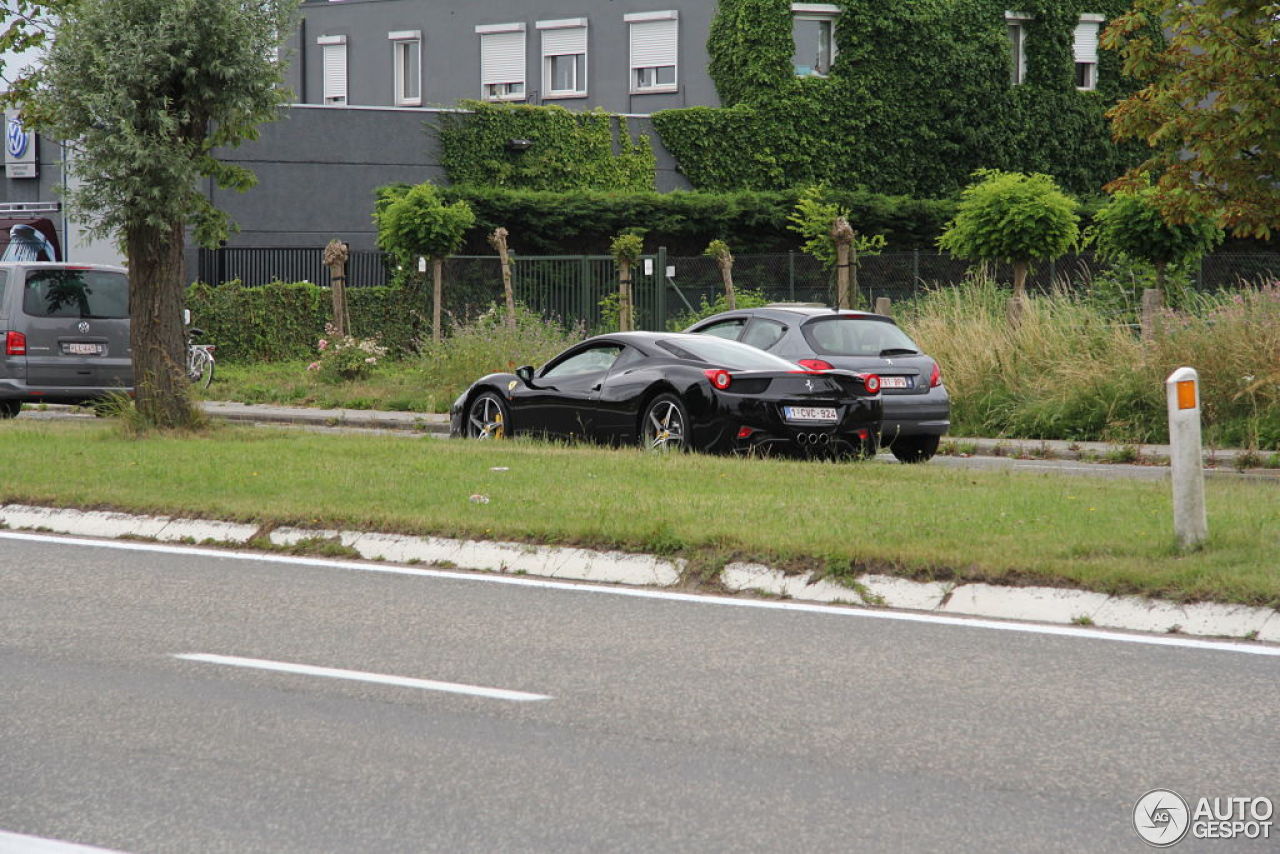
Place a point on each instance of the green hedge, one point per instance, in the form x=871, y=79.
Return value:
x=584, y=222
x=284, y=320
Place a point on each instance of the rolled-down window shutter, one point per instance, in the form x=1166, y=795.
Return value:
x=335, y=73
x=653, y=43
x=564, y=40
x=502, y=58
x=1086, y=42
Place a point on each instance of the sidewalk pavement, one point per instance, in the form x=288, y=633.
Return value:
x=438, y=424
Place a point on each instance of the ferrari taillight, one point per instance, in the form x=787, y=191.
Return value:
x=15, y=344
x=815, y=364
x=872, y=382
x=719, y=377
x=935, y=378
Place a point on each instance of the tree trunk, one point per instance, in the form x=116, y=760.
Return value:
x=842, y=275
x=1017, y=305
x=437, y=293
x=155, y=330
x=625, y=321
x=1019, y=280
x=498, y=240
x=338, y=290
x=842, y=236
x=725, y=263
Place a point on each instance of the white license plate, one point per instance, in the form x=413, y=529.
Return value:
x=809, y=413
x=895, y=382
x=79, y=348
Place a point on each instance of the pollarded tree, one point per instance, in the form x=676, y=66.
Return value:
x=1210, y=109
x=1131, y=224
x=1014, y=218
x=415, y=222
x=626, y=249
x=144, y=91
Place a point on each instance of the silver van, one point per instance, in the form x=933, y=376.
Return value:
x=65, y=333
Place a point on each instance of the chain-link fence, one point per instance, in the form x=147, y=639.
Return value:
x=575, y=289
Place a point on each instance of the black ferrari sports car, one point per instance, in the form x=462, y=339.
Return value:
x=672, y=391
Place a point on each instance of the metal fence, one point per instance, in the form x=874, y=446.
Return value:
x=573, y=288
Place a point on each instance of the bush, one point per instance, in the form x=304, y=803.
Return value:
x=343, y=358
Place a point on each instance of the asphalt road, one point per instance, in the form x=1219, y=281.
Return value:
x=669, y=725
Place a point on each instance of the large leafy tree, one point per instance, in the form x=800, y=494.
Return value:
x=1210, y=109
x=144, y=91
x=25, y=26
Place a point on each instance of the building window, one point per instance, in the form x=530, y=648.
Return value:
x=813, y=27
x=502, y=62
x=654, y=43
x=1085, y=48
x=406, y=67
x=564, y=57
x=334, y=61
x=1017, y=25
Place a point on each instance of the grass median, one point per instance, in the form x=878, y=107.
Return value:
x=927, y=521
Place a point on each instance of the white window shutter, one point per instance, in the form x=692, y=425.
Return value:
x=653, y=43
x=564, y=40
x=502, y=58
x=335, y=73
x=1086, y=42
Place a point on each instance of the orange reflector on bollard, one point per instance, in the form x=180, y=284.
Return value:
x=1186, y=394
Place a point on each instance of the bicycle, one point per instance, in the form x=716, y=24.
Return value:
x=199, y=359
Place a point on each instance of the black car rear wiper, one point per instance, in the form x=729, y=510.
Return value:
x=899, y=351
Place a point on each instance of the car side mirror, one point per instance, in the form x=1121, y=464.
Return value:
x=525, y=373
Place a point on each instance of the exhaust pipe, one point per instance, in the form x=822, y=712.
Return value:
x=825, y=438
x=802, y=438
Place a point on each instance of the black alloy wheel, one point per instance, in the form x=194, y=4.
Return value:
x=915, y=449
x=10, y=408
x=487, y=417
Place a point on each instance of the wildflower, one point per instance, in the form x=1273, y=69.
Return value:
x=314, y=366
x=323, y=343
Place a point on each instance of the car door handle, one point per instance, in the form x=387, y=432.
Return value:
x=596, y=387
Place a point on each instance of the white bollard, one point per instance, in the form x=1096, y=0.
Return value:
x=1186, y=465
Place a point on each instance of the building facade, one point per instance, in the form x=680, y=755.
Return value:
x=622, y=56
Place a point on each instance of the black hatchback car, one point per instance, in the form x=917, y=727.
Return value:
x=917, y=409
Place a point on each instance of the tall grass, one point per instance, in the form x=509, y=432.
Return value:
x=1068, y=371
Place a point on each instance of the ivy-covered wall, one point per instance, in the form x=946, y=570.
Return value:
x=567, y=150
x=918, y=97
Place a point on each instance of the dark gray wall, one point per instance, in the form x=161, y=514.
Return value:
x=451, y=49
x=318, y=167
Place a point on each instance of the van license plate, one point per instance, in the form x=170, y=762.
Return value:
x=80, y=348
x=809, y=413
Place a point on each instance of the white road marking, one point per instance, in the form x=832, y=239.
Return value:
x=15, y=843
x=361, y=676
x=640, y=593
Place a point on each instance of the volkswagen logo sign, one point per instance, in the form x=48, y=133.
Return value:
x=83, y=327
x=16, y=139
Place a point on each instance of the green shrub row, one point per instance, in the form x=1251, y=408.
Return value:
x=584, y=222
x=285, y=320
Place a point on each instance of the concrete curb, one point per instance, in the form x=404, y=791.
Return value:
x=1031, y=604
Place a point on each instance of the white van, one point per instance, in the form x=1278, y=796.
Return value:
x=65, y=333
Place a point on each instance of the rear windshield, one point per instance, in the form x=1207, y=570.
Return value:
x=76, y=293
x=725, y=354
x=855, y=336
